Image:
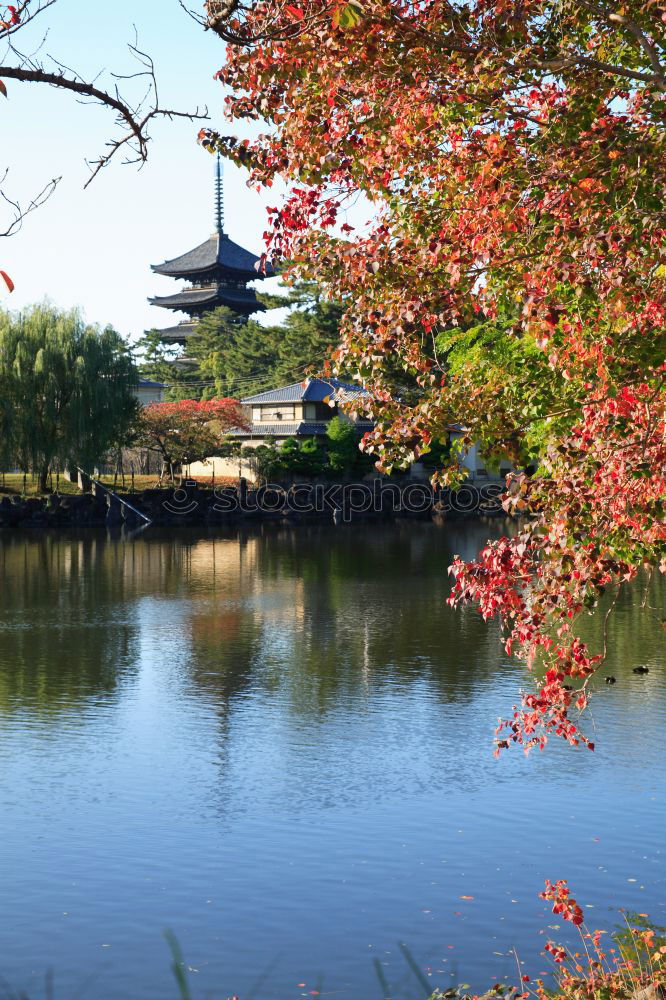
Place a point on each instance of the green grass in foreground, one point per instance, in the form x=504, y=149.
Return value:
x=631, y=967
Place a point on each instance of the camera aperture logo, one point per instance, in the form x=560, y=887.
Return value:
x=180, y=503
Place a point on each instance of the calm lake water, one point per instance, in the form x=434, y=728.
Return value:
x=279, y=745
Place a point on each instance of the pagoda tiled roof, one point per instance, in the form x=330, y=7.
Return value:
x=200, y=298
x=219, y=251
x=177, y=333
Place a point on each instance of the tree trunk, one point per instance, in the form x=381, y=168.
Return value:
x=43, y=479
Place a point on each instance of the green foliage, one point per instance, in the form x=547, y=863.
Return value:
x=337, y=457
x=308, y=335
x=235, y=356
x=266, y=459
x=438, y=455
x=65, y=390
x=245, y=363
x=158, y=361
x=342, y=443
x=222, y=351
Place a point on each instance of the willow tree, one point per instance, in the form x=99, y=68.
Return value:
x=66, y=389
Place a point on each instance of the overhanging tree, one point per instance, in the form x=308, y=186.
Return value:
x=66, y=390
x=514, y=156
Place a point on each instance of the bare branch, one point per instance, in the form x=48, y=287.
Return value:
x=132, y=121
x=570, y=60
x=19, y=213
x=195, y=17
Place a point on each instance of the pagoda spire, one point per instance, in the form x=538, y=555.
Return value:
x=219, y=196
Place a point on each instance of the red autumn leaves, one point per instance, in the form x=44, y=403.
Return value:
x=559, y=894
x=10, y=19
x=515, y=193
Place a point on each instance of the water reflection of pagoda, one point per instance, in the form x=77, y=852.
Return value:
x=218, y=272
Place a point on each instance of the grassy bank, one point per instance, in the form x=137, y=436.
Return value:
x=15, y=484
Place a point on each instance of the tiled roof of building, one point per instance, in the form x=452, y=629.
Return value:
x=217, y=252
x=282, y=428
x=239, y=299
x=299, y=428
x=147, y=383
x=313, y=390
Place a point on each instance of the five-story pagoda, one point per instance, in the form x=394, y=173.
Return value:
x=218, y=272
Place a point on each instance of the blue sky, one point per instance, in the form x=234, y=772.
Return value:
x=94, y=248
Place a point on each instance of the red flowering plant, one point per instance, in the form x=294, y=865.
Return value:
x=511, y=279
x=637, y=963
x=188, y=431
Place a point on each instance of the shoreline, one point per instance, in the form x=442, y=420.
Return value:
x=295, y=503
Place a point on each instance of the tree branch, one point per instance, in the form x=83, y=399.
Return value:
x=130, y=119
x=20, y=213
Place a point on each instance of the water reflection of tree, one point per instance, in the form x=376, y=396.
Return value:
x=634, y=634
x=61, y=640
x=321, y=614
x=312, y=613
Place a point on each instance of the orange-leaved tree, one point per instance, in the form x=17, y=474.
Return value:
x=512, y=277
x=188, y=431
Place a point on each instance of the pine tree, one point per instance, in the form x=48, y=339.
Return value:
x=248, y=363
x=235, y=356
x=229, y=350
x=160, y=362
x=309, y=334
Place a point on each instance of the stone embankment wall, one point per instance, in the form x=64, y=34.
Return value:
x=341, y=502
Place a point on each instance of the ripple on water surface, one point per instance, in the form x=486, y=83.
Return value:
x=278, y=745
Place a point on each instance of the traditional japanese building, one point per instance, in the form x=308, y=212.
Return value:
x=301, y=410
x=218, y=272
